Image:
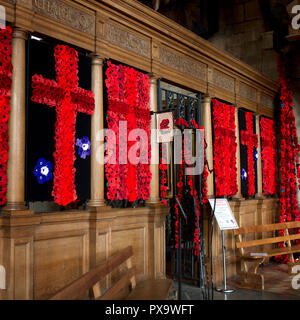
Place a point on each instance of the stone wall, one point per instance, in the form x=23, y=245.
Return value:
x=244, y=33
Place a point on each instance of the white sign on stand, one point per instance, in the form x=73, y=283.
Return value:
x=223, y=214
x=226, y=221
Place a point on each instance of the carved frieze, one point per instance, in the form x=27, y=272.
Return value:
x=65, y=14
x=248, y=92
x=127, y=40
x=266, y=101
x=221, y=80
x=182, y=64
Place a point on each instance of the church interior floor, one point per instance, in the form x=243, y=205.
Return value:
x=278, y=286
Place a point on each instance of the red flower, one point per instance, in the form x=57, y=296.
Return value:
x=164, y=124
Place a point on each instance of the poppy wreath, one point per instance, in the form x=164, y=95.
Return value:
x=224, y=149
x=249, y=139
x=128, y=100
x=289, y=156
x=5, y=87
x=185, y=125
x=268, y=155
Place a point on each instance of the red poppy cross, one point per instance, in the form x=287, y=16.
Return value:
x=250, y=140
x=68, y=99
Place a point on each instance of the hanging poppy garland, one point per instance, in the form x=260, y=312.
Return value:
x=163, y=176
x=68, y=99
x=193, y=192
x=128, y=102
x=250, y=140
x=268, y=155
x=224, y=149
x=5, y=87
x=289, y=156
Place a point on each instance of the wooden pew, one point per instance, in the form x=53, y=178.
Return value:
x=156, y=289
x=256, y=252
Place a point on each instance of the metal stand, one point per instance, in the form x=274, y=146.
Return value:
x=225, y=290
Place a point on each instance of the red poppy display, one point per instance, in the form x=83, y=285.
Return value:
x=250, y=140
x=128, y=100
x=224, y=148
x=5, y=87
x=68, y=99
x=268, y=155
x=289, y=156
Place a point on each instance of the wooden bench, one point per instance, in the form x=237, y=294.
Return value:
x=157, y=289
x=258, y=251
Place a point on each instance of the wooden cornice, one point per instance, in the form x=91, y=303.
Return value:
x=133, y=33
x=168, y=29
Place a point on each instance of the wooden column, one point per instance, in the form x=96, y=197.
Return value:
x=206, y=116
x=154, y=166
x=16, y=125
x=238, y=155
x=97, y=150
x=259, y=166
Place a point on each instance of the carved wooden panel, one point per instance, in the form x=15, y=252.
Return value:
x=267, y=101
x=248, y=92
x=223, y=81
x=102, y=254
x=22, y=271
x=137, y=238
x=185, y=65
x=57, y=262
x=159, y=249
x=66, y=14
x=127, y=40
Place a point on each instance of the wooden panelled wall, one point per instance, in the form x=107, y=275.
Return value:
x=43, y=252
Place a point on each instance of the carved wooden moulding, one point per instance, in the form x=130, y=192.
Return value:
x=267, y=101
x=182, y=64
x=248, y=92
x=65, y=14
x=127, y=40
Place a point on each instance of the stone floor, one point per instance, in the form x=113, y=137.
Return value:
x=277, y=287
x=190, y=292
